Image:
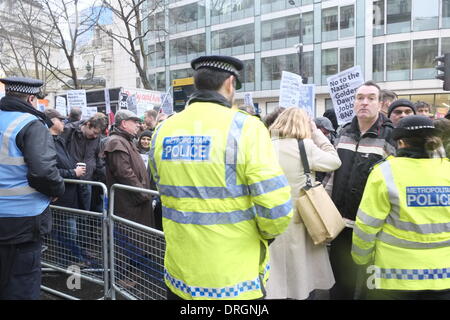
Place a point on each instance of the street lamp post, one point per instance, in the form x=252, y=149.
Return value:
x=299, y=46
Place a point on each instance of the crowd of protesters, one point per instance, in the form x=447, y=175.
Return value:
x=344, y=158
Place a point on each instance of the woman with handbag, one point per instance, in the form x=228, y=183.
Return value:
x=299, y=267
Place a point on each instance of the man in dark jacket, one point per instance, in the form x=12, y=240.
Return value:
x=66, y=230
x=124, y=165
x=82, y=139
x=361, y=143
x=29, y=181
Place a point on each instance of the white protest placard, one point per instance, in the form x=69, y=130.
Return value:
x=342, y=88
x=107, y=101
x=248, y=99
x=290, y=89
x=91, y=111
x=167, y=102
x=60, y=105
x=293, y=93
x=76, y=98
x=307, y=99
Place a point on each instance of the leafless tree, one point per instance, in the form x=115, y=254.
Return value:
x=131, y=34
x=68, y=26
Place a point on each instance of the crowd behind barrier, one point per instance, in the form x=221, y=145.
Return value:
x=119, y=255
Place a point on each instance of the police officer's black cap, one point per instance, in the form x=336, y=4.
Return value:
x=220, y=63
x=414, y=126
x=22, y=85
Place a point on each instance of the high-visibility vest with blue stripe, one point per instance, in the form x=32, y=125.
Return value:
x=403, y=225
x=17, y=198
x=223, y=194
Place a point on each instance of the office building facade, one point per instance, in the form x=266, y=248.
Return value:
x=394, y=42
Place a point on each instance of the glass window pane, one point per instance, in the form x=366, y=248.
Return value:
x=446, y=13
x=378, y=18
x=398, y=61
x=425, y=14
x=329, y=63
x=424, y=53
x=442, y=104
x=308, y=65
x=445, y=45
x=378, y=62
x=398, y=16
x=347, y=58
x=308, y=27
x=347, y=22
x=330, y=24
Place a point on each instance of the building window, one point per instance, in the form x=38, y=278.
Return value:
x=181, y=73
x=347, y=58
x=161, y=81
x=329, y=64
x=445, y=45
x=347, y=21
x=191, y=16
x=398, y=16
x=157, y=54
x=229, y=10
x=330, y=24
x=234, y=41
x=308, y=65
x=424, y=52
x=378, y=18
x=284, y=32
x=446, y=13
x=185, y=49
x=272, y=68
x=378, y=62
x=425, y=14
x=398, y=61
x=247, y=76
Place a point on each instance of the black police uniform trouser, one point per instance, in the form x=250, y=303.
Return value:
x=20, y=271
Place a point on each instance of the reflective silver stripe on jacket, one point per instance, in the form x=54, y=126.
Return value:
x=4, y=152
x=208, y=218
x=394, y=216
x=390, y=239
x=232, y=148
x=18, y=191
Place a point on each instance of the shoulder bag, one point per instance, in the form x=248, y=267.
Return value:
x=320, y=216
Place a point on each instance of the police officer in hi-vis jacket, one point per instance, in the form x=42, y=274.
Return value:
x=223, y=192
x=402, y=230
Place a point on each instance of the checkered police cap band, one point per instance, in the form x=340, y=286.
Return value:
x=21, y=88
x=217, y=65
x=418, y=127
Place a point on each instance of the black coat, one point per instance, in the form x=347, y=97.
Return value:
x=350, y=179
x=66, y=165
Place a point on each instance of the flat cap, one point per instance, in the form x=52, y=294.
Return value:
x=221, y=63
x=22, y=85
x=413, y=126
x=401, y=103
x=125, y=114
x=53, y=113
x=324, y=122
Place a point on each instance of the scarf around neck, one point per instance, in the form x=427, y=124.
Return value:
x=8, y=103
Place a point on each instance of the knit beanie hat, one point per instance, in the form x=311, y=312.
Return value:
x=401, y=103
x=146, y=133
x=413, y=126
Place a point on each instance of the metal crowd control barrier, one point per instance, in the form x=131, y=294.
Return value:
x=136, y=255
x=78, y=243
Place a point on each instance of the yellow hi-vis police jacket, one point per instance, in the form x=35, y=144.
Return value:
x=403, y=225
x=223, y=194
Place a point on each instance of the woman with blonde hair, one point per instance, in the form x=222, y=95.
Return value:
x=298, y=267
